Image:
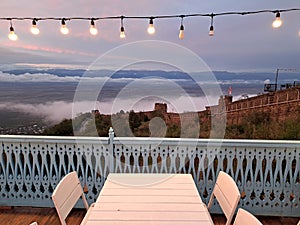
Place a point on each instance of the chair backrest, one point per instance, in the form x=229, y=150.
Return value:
x=244, y=217
x=227, y=195
x=66, y=195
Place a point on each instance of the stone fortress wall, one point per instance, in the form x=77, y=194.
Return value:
x=281, y=105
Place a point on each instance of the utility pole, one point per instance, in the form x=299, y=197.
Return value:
x=276, y=78
x=282, y=69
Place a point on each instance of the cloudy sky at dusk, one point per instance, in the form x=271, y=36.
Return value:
x=240, y=42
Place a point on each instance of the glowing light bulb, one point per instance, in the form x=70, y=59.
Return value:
x=34, y=29
x=122, y=33
x=181, y=32
x=211, y=28
x=64, y=30
x=299, y=33
x=12, y=36
x=93, y=29
x=151, y=29
x=211, y=31
x=277, y=22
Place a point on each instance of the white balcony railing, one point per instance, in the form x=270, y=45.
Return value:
x=266, y=172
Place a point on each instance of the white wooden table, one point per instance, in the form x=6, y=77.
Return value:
x=148, y=199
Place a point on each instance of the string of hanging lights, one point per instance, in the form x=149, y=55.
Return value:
x=151, y=29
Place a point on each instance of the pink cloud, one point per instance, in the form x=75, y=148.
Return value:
x=46, y=49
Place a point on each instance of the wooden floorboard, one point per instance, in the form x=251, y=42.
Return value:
x=266, y=220
x=48, y=216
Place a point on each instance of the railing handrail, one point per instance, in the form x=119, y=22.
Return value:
x=227, y=142
x=235, y=142
x=53, y=139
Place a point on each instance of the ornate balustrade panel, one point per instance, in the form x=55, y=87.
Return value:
x=266, y=172
x=31, y=167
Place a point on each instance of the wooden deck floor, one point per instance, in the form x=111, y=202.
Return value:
x=48, y=216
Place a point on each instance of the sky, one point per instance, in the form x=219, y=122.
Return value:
x=240, y=43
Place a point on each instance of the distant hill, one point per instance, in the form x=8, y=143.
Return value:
x=136, y=74
x=57, y=72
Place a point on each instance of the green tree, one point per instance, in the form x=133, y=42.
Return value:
x=134, y=120
x=173, y=131
x=290, y=130
x=257, y=125
x=64, y=128
x=102, y=123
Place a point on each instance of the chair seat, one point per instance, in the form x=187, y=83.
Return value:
x=244, y=217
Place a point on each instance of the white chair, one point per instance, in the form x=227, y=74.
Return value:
x=227, y=194
x=66, y=195
x=244, y=217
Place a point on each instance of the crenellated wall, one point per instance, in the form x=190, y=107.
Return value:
x=280, y=105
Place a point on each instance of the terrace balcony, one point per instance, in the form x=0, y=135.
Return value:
x=266, y=172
